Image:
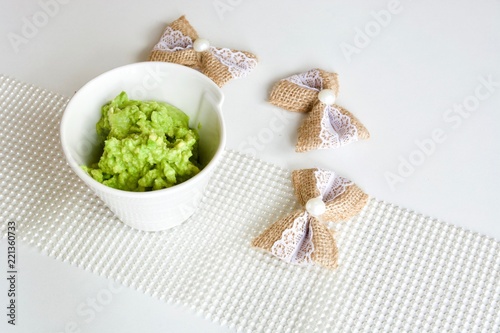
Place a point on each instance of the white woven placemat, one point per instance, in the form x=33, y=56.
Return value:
x=399, y=271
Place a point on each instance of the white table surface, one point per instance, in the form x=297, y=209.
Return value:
x=426, y=58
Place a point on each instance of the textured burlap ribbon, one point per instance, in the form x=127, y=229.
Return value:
x=303, y=237
x=327, y=125
x=180, y=44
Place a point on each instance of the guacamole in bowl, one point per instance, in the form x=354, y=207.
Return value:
x=148, y=145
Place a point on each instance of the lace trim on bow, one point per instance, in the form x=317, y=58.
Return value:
x=173, y=40
x=330, y=185
x=238, y=63
x=295, y=245
x=336, y=129
x=310, y=80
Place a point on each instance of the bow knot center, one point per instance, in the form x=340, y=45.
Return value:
x=316, y=207
x=201, y=45
x=327, y=96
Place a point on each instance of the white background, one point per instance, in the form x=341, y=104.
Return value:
x=428, y=57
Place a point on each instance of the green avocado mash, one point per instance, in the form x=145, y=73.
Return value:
x=147, y=146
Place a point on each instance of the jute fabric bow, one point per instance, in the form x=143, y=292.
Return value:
x=180, y=44
x=327, y=125
x=303, y=237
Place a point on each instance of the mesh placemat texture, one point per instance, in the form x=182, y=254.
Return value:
x=399, y=271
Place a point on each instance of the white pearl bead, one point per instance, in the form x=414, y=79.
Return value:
x=315, y=206
x=201, y=44
x=327, y=96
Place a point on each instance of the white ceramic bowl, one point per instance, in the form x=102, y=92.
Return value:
x=192, y=92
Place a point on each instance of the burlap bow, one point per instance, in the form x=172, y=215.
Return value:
x=180, y=44
x=303, y=237
x=328, y=125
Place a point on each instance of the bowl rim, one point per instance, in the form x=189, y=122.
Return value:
x=205, y=172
